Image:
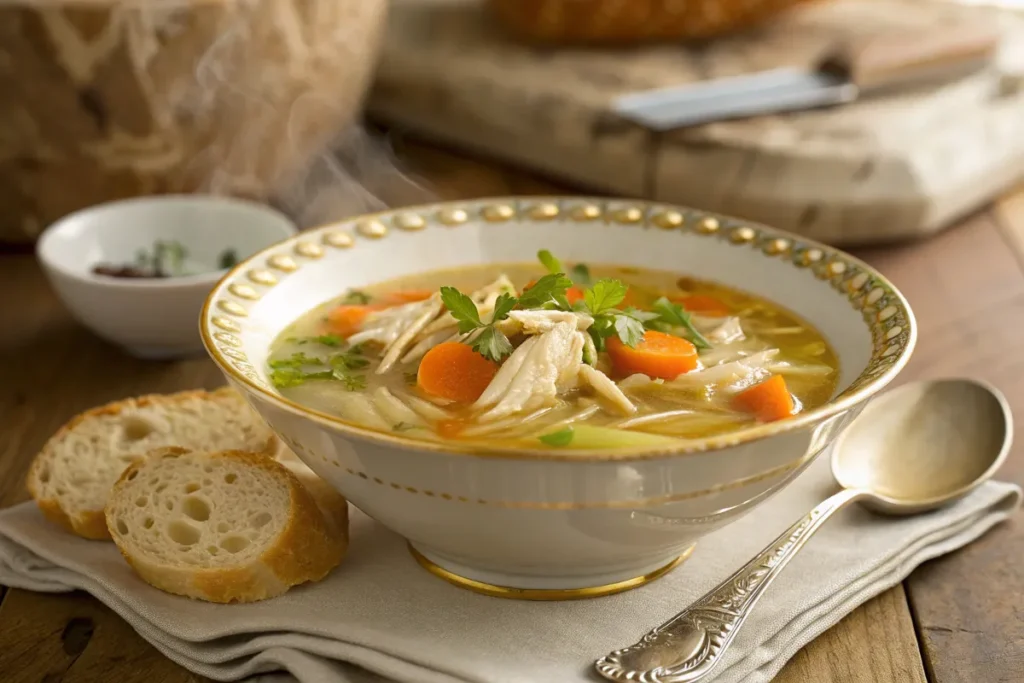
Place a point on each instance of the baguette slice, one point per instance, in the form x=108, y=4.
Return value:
x=226, y=526
x=331, y=503
x=71, y=477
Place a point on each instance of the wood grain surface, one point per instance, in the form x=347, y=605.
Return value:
x=961, y=612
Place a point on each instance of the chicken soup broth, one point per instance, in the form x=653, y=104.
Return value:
x=553, y=355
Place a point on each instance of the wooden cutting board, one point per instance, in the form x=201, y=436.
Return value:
x=884, y=169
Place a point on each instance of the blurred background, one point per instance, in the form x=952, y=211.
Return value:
x=878, y=120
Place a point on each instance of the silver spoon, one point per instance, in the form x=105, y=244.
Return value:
x=913, y=449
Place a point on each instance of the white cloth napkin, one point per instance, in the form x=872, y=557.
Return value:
x=381, y=613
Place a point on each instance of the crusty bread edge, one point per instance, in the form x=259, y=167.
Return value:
x=92, y=524
x=306, y=549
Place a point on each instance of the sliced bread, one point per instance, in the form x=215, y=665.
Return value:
x=72, y=475
x=331, y=503
x=225, y=526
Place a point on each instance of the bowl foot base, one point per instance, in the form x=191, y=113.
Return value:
x=456, y=575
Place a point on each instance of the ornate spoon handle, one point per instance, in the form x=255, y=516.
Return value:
x=687, y=647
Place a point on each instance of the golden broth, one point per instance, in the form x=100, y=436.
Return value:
x=685, y=408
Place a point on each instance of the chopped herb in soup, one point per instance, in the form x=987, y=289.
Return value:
x=554, y=355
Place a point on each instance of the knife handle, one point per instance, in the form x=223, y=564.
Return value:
x=899, y=59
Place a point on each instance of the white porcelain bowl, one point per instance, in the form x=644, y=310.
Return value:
x=552, y=524
x=151, y=318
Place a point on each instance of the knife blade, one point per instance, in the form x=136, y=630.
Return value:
x=857, y=68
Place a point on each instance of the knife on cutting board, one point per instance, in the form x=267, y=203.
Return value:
x=859, y=68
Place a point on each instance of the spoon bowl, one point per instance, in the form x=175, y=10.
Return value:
x=924, y=445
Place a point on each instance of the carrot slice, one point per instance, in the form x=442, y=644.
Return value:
x=702, y=304
x=657, y=355
x=407, y=296
x=455, y=371
x=769, y=401
x=346, y=320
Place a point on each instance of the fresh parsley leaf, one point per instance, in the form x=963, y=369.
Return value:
x=605, y=295
x=629, y=330
x=642, y=316
x=347, y=360
x=502, y=306
x=462, y=309
x=549, y=289
x=296, y=360
x=492, y=344
x=603, y=327
x=580, y=274
x=351, y=382
x=291, y=377
x=356, y=297
x=674, y=315
x=411, y=377
x=549, y=261
x=332, y=340
x=325, y=339
x=563, y=437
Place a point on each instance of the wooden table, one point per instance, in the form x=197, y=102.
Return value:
x=960, y=618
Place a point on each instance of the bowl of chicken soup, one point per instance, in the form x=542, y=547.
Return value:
x=554, y=398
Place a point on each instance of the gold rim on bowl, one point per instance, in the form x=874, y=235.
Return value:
x=883, y=307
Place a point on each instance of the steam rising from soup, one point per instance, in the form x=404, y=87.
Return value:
x=553, y=356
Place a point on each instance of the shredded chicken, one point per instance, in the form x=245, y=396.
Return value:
x=727, y=331
x=394, y=410
x=538, y=322
x=530, y=378
x=394, y=350
x=386, y=326
x=424, y=344
x=607, y=389
x=732, y=376
x=484, y=298
x=424, y=409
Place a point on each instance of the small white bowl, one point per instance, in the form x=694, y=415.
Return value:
x=154, y=318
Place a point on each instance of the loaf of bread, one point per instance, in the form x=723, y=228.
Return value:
x=72, y=476
x=110, y=99
x=227, y=526
x=632, y=21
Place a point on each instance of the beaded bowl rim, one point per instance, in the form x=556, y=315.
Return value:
x=223, y=346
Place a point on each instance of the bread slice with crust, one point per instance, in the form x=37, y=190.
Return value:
x=72, y=475
x=225, y=526
x=328, y=499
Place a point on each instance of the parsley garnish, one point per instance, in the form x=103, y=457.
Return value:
x=605, y=295
x=402, y=427
x=601, y=302
x=673, y=315
x=547, y=292
x=579, y=273
x=296, y=360
x=563, y=437
x=356, y=297
x=292, y=377
x=300, y=368
x=487, y=340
